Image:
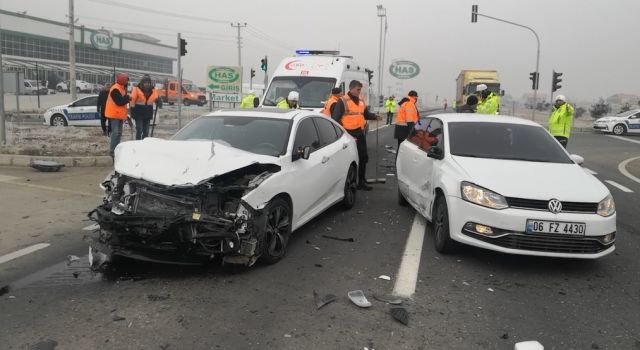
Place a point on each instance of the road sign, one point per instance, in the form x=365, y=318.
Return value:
x=404, y=69
x=224, y=80
x=235, y=98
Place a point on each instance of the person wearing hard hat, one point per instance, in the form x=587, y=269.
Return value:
x=489, y=102
x=560, y=120
x=291, y=102
x=116, y=109
x=249, y=101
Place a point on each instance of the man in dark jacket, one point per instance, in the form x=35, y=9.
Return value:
x=143, y=98
x=470, y=106
x=102, y=102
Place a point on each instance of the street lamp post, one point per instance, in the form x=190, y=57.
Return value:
x=382, y=13
x=475, y=13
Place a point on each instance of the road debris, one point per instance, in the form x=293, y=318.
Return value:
x=4, y=289
x=384, y=277
x=322, y=301
x=388, y=300
x=392, y=151
x=158, y=297
x=76, y=274
x=71, y=259
x=490, y=289
x=287, y=335
x=45, y=345
x=317, y=265
x=400, y=314
x=46, y=165
x=358, y=298
x=350, y=239
x=117, y=318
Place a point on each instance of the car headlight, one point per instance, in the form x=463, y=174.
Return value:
x=482, y=196
x=607, y=206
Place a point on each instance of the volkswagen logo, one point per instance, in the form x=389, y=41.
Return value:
x=555, y=206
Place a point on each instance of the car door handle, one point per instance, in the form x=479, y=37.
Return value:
x=345, y=145
x=325, y=159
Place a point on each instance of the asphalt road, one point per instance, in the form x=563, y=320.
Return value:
x=474, y=299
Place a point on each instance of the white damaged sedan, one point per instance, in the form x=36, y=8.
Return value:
x=504, y=184
x=231, y=183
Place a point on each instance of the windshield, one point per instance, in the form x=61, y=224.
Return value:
x=313, y=91
x=264, y=136
x=505, y=141
x=190, y=87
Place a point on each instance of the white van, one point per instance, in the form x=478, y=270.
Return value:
x=313, y=74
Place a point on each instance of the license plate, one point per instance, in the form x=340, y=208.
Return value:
x=557, y=227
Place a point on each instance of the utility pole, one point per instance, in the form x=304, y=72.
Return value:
x=3, y=132
x=382, y=12
x=179, y=102
x=239, y=25
x=72, y=53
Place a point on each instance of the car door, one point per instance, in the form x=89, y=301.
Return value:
x=335, y=158
x=83, y=112
x=633, y=123
x=310, y=176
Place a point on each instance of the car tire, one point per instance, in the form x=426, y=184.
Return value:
x=276, y=230
x=441, y=237
x=58, y=120
x=401, y=200
x=619, y=129
x=186, y=103
x=350, y=189
x=59, y=88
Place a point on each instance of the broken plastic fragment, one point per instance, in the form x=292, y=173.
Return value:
x=400, y=314
x=358, y=298
x=322, y=301
x=490, y=289
x=529, y=345
x=384, y=277
x=350, y=239
x=46, y=165
x=71, y=259
x=388, y=300
x=117, y=318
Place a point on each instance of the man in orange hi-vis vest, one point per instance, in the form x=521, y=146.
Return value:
x=352, y=113
x=116, y=109
x=336, y=93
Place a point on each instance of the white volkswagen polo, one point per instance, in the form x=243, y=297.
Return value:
x=504, y=184
x=231, y=183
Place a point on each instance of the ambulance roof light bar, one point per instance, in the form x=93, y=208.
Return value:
x=317, y=52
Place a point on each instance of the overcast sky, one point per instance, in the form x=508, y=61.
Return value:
x=595, y=43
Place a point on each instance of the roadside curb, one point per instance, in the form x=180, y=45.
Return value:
x=68, y=161
x=633, y=168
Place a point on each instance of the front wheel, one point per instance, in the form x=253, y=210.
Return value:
x=619, y=129
x=277, y=230
x=187, y=103
x=442, y=239
x=350, y=189
x=58, y=120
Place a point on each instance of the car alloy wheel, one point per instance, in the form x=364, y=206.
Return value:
x=277, y=229
x=58, y=120
x=619, y=129
x=443, y=242
x=350, y=189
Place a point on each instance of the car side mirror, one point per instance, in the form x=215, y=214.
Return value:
x=302, y=152
x=576, y=159
x=435, y=152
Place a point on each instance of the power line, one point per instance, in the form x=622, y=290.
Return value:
x=259, y=33
x=164, y=13
x=164, y=34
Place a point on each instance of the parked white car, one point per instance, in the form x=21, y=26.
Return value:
x=231, y=183
x=619, y=124
x=32, y=87
x=81, y=112
x=504, y=184
x=81, y=86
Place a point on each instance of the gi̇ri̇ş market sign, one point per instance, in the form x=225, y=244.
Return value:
x=101, y=40
x=404, y=69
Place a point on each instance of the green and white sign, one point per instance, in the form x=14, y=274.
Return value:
x=225, y=83
x=404, y=69
x=101, y=40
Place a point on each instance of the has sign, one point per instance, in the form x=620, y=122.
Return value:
x=101, y=40
x=404, y=69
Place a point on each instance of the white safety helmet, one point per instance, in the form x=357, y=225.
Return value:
x=561, y=98
x=293, y=96
x=481, y=87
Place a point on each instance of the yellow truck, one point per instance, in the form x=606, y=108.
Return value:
x=468, y=79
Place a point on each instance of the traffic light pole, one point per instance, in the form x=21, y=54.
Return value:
x=179, y=101
x=535, y=91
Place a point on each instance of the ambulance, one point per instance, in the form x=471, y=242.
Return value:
x=313, y=73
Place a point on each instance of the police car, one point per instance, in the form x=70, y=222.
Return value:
x=81, y=112
x=620, y=124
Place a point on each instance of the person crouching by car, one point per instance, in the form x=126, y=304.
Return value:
x=143, y=98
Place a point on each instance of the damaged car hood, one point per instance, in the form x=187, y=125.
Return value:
x=181, y=163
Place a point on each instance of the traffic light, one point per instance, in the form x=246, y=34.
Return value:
x=556, y=81
x=263, y=64
x=474, y=13
x=183, y=47
x=253, y=72
x=534, y=77
x=369, y=74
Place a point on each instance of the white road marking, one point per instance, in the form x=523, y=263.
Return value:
x=590, y=171
x=5, y=178
x=623, y=169
x=380, y=127
x=623, y=139
x=23, y=251
x=11, y=180
x=407, y=279
x=619, y=186
x=91, y=227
